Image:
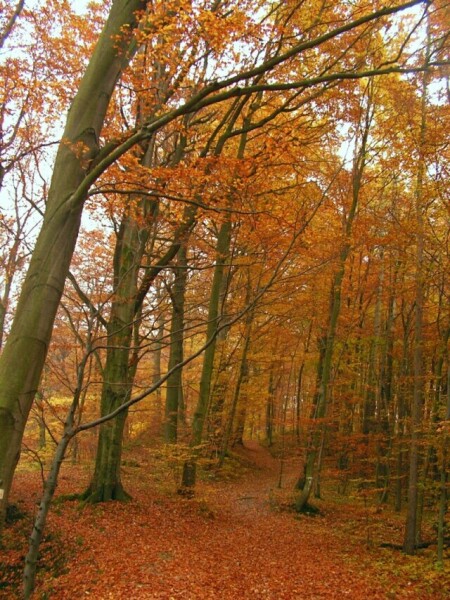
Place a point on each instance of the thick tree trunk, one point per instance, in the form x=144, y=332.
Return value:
x=24, y=354
x=119, y=370
x=118, y=373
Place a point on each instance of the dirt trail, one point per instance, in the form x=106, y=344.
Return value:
x=251, y=550
x=256, y=488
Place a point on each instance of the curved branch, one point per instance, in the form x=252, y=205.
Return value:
x=11, y=22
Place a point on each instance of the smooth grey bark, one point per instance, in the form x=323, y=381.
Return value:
x=24, y=354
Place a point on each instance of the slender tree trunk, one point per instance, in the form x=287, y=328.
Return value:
x=444, y=479
x=218, y=391
x=174, y=382
x=223, y=248
x=411, y=531
x=41, y=517
x=10, y=271
x=298, y=400
x=157, y=347
x=51, y=482
x=385, y=418
x=402, y=410
x=237, y=399
x=238, y=404
x=270, y=407
x=299, y=387
x=372, y=399
x=325, y=365
x=322, y=394
x=24, y=354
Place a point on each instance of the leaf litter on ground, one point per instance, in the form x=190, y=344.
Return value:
x=237, y=538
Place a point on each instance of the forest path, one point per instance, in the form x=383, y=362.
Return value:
x=230, y=542
x=254, y=491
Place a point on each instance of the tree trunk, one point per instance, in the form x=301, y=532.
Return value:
x=325, y=365
x=385, y=416
x=157, y=347
x=270, y=407
x=119, y=370
x=444, y=479
x=51, y=482
x=237, y=400
x=411, y=531
x=41, y=516
x=10, y=271
x=118, y=376
x=174, y=382
x=24, y=354
x=402, y=411
x=223, y=247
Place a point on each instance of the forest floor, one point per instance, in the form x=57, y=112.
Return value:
x=237, y=539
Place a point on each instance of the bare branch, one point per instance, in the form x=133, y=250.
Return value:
x=10, y=24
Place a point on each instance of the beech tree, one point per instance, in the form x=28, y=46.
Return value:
x=327, y=343
x=82, y=157
x=32, y=326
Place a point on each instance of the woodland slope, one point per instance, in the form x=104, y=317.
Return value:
x=236, y=539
